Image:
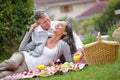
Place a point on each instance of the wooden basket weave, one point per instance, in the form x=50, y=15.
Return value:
x=101, y=51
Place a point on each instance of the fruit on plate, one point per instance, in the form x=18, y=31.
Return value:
x=76, y=58
x=41, y=67
x=66, y=65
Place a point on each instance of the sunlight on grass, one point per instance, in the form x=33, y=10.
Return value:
x=107, y=71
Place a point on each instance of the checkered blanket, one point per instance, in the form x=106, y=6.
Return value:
x=49, y=72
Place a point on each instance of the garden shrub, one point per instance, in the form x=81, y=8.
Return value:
x=110, y=32
x=89, y=38
x=15, y=16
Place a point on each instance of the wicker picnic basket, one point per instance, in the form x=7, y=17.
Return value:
x=101, y=51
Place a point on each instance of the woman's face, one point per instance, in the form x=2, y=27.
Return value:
x=60, y=28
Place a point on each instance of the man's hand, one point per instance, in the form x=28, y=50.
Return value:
x=52, y=63
x=33, y=26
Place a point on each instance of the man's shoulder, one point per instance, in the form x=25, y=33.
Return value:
x=54, y=22
x=39, y=28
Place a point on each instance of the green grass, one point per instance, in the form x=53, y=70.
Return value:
x=101, y=72
x=107, y=71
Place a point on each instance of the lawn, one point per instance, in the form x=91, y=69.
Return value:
x=107, y=71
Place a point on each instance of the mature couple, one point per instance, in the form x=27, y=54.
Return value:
x=51, y=40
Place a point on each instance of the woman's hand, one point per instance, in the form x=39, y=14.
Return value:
x=33, y=26
x=79, y=53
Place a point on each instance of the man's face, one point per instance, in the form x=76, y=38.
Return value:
x=45, y=22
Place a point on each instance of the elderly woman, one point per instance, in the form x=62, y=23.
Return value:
x=32, y=54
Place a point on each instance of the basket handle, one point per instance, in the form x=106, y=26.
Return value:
x=99, y=37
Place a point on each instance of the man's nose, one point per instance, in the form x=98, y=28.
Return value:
x=48, y=22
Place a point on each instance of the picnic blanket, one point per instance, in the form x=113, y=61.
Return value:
x=48, y=71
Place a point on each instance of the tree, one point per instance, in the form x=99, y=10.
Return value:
x=103, y=22
x=15, y=16
x=87, y=26
x=108, y=18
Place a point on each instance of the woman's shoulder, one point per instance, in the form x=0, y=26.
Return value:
x=63, y=45
x=62, y=42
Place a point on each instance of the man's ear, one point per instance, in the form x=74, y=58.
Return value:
x=38, y=21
